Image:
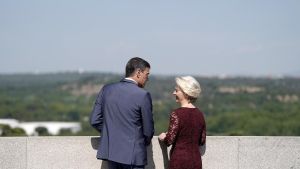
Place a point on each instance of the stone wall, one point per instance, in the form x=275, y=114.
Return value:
x=218, y=153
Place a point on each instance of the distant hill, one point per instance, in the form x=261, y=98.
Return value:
x=232, y=105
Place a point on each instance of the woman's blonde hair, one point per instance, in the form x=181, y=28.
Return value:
x=190, y=86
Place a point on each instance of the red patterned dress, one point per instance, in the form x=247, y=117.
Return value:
x=187, y=130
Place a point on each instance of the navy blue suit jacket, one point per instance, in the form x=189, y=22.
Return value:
x=123, y=115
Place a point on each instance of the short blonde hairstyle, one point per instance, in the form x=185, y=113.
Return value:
x=189, y=85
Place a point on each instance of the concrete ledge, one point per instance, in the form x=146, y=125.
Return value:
x=13, y=153
x=218, y=153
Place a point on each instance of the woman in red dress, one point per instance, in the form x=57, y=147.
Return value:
x=187, y=129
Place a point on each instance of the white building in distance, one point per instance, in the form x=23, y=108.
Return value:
x=52, y=127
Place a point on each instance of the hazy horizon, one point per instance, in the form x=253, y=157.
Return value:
x=221, y=76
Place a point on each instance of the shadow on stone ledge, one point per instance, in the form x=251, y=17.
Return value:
x=95, y=142
x=164, y=150
x=202, y=149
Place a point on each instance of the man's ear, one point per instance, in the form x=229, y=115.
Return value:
x=138, y=73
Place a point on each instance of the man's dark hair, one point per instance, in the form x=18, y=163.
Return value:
x=136, y=63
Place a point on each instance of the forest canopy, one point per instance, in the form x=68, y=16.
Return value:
x=232, y=106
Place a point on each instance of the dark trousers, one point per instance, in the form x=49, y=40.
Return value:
x=115, y=165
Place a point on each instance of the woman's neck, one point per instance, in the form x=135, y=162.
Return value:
x=187, y=104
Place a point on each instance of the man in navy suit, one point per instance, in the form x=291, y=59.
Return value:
x=123, y=115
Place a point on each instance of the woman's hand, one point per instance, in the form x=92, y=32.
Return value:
x=162, y=136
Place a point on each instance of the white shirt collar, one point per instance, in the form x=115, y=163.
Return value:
x=128, y=78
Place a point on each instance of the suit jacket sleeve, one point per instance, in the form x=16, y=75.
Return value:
x=96, y=118
x=147, y=118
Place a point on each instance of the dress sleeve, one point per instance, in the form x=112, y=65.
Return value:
x=203, y=135
x=173, y=129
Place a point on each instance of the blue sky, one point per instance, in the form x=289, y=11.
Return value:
x=250, y=37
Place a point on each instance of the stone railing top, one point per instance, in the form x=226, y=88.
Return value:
x=220, y=152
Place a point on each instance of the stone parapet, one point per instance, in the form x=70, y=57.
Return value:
x=220, y=152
